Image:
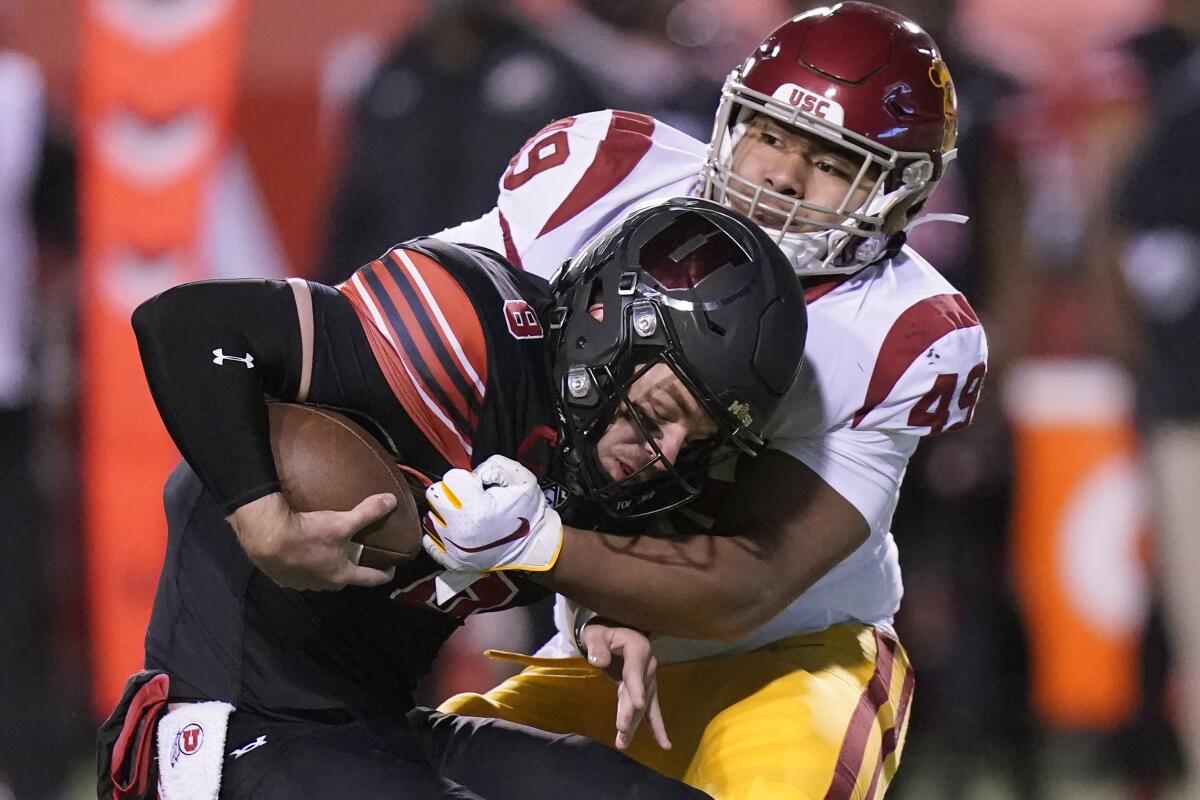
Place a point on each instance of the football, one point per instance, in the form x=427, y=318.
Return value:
x=328, y=462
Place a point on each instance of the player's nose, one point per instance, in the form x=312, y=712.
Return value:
x=670, y=441
x=786, y=174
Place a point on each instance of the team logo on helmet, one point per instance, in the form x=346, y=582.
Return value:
x=811, y=103
x=939, y=76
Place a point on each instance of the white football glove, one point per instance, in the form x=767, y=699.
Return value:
x=492, y=519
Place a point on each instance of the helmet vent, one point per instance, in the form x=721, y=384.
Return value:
x=687, y=251
x=595, y=304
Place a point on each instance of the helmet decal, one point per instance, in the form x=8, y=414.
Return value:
x=811, y=103
x=741, y=411
x=939, y=76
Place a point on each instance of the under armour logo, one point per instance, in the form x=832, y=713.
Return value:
x=257, y=743
x=220, y=358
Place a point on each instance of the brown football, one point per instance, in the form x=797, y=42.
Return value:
x=328, y=462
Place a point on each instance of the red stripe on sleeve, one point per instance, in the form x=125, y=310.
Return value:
x=456, y=322
x=418, y=333
x=628, y=138
x=913, y=332
x=402, y=379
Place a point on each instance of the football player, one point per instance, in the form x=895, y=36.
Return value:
x=773, y=595
x=653, y=345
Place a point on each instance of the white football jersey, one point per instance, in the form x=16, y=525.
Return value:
x=893, y=352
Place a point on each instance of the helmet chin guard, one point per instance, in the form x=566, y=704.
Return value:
x=888, y=103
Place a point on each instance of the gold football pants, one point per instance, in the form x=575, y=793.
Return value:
x=821, y=715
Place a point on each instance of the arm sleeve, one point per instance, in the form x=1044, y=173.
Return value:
x=212, y=353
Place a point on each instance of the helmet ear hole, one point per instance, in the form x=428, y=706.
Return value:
x=595, y=302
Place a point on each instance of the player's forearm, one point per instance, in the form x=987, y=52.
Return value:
x=258, y=523
x=212, y=352
x=709, y=587
x=788, y=529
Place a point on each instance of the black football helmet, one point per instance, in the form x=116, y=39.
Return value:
x=690, y=284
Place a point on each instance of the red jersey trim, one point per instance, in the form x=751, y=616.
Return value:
x=450, y=321
x=510, y=249
x=628, y=139
x=437, y=372
x=817, y=288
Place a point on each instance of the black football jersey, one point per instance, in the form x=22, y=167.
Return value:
x=440, y=347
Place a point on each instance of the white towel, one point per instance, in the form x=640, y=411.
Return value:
x=191, y=750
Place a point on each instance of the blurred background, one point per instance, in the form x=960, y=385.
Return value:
x=1051, y=559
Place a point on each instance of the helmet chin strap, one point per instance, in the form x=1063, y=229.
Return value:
x=957, y=219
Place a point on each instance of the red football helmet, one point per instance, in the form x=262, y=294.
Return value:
x=873, y=82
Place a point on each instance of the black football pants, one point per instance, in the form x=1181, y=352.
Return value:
x=428, y=755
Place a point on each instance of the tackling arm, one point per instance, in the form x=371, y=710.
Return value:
x=785, y=530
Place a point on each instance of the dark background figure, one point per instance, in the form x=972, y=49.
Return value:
x=36, y=229
x=646, y=56
x=447, y=108
x=1148, y=260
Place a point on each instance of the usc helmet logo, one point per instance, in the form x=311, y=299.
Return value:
x=939, y=76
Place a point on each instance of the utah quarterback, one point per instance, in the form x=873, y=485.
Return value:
x=281, y=690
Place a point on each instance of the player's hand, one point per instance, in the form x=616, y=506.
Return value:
x=491, y=519
x=309, y=550
x=625, y=656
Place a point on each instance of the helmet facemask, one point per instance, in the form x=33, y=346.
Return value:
x=659, y=483
x=819, y=240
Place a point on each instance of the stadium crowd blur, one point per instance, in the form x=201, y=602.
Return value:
x=1051, y=607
